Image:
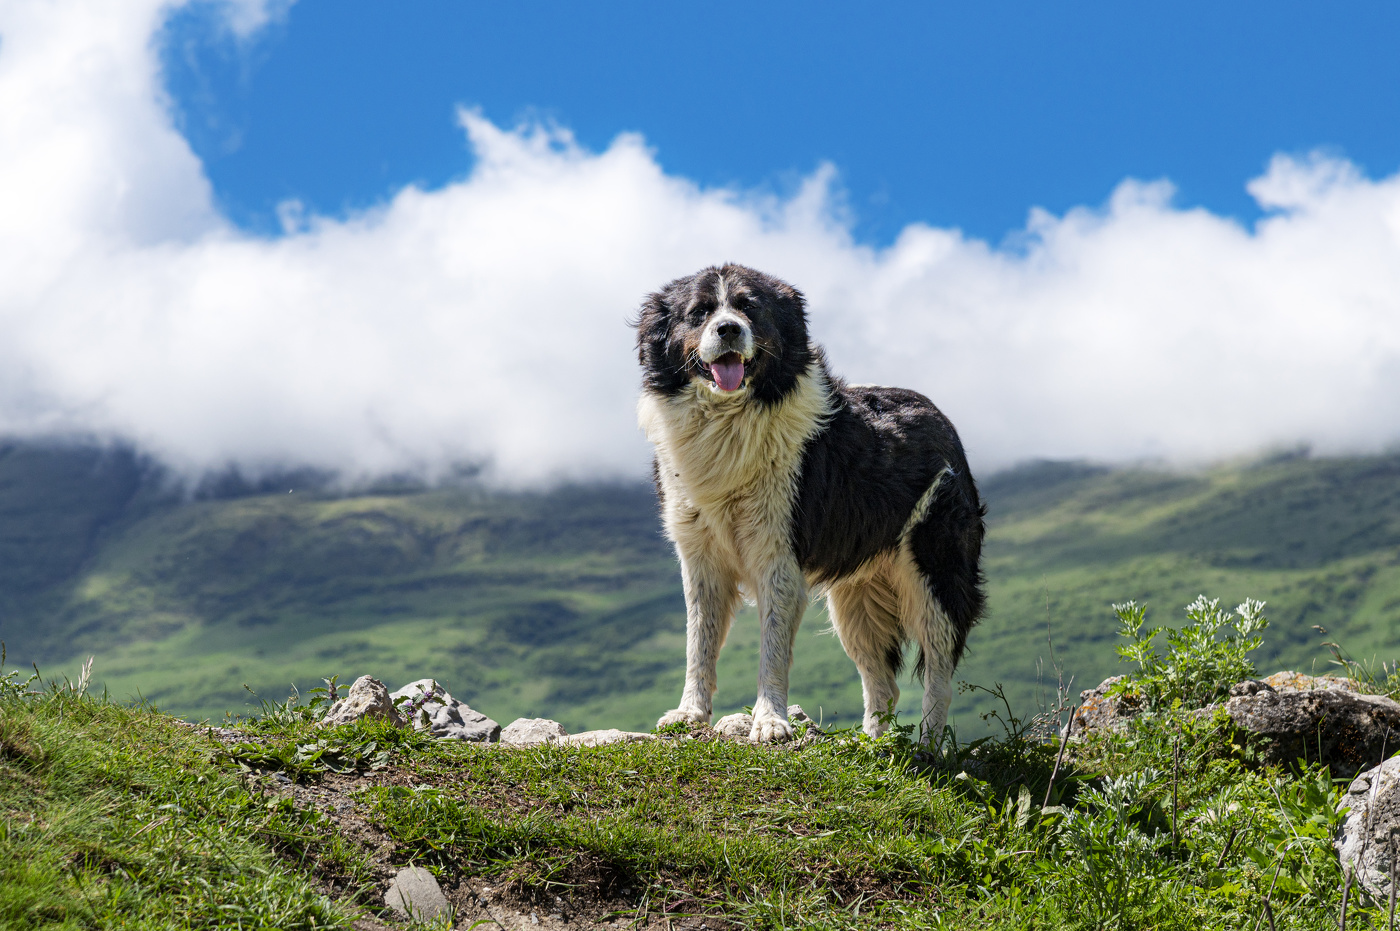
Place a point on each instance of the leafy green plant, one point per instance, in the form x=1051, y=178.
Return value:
x=1115, y=837
x=1203, y=658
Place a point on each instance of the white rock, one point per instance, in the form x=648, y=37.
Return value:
x=797, y=716
x=527, y=732
x=444, y=716
x=735, y=725
x=1369, y=837
x=601, y=738
x=367, y=698
x=414, y=893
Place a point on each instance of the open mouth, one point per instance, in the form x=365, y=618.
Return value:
x=728, y=371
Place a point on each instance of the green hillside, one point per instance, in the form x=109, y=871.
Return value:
x=567, y=604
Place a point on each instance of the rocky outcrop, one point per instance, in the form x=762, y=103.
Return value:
x=1316, y=721
x=1291, y=716
x=434, y=710
x=1099, y=709
x=1369, y=838
x=530, y=732
x=367, y=698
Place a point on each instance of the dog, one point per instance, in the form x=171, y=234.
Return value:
x=775, y=479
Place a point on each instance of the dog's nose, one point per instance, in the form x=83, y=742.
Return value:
x=728, y=330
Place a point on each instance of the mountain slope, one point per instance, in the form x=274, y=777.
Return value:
x=567, y=604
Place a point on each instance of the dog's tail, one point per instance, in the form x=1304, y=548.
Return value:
x=947, y=547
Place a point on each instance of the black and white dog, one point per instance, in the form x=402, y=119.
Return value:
x=774, y=477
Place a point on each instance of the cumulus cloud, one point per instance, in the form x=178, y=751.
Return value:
x=485, y=321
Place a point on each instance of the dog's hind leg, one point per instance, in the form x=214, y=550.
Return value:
x=928, y=625
x=711, y=598
x=863, y=615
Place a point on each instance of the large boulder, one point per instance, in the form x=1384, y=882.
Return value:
x=441, y=715
x=1318, y=721
x=367, y=698
x=1315, y=718
x=1368, y=839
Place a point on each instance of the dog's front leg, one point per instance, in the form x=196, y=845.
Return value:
x=711, y=597
x=781, y=597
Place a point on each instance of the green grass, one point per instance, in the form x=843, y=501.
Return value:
x=567, y=604
x=113, y=816
x=116, y=816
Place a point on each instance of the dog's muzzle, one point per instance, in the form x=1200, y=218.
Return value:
x=726, y=346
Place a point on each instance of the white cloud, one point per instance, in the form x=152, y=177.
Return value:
x=486, y=319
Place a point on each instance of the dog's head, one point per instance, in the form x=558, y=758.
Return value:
x=737, y=330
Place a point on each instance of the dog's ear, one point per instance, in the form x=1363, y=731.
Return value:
x=653, y=325
x=792, y=302
x=663, y=369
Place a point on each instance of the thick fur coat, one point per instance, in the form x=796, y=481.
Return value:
x=775, y=478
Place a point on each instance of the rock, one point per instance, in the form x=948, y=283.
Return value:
x=797, y=716
x=602, y=738
x=447, y=717
x=1098, y=709
x=1368, y=839
x=1324, y=723
x=1296, y=680
x=528, y=732
x=414, y=893
x=735, y=725
x=740, y=725
x=367, y=698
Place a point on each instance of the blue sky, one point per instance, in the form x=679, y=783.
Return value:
x=962, y=115
x=378, y=238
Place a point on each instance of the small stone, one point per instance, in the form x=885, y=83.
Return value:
x=602, y=738
x=414, y=893
x=797, y=716
x=367, y=698
x=529, y=732
x=444, y=716
x=735, y=725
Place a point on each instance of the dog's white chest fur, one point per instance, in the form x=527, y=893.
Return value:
x=729, y=467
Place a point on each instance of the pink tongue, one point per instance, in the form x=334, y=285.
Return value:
x=728, y=375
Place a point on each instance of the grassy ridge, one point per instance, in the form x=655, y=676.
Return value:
x=568, y=604
x=114, y=816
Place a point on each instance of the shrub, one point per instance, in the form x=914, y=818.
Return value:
x=1203, y=658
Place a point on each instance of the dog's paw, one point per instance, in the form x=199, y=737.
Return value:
x=683, y=716
x=769, y=729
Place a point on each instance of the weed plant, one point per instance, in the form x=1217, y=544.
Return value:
x=1203, y=658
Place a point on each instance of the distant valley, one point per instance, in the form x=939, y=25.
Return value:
x=567, y=603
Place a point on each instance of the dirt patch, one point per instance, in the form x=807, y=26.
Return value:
x=585, y=894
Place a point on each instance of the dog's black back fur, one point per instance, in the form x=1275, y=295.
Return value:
x=862, y=476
